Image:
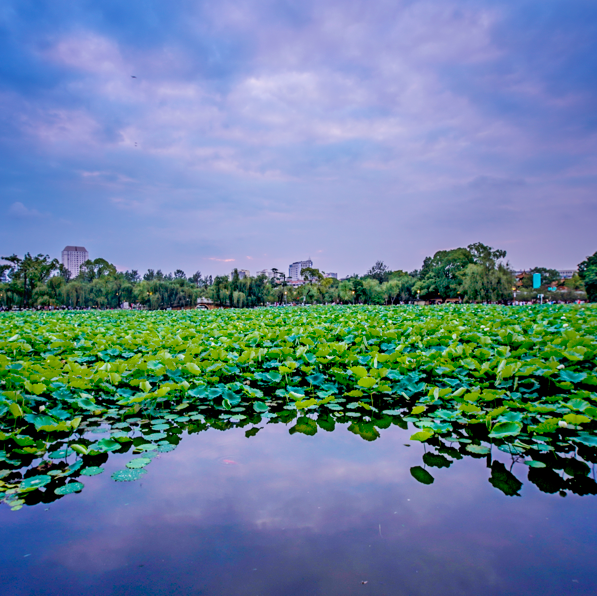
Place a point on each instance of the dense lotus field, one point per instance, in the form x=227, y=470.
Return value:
x=469, y=380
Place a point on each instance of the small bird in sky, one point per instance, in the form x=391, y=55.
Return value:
x=133, y=77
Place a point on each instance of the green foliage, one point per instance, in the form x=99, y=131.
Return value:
x=520, y=378
x=587, y=271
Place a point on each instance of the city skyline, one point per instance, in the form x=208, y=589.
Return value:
x=207, y=137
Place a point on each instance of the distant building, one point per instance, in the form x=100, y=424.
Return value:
x=242, y=273
x=567, y=273
x=294, y=271
x=267, y=272
x=73, y=257
x=330, y=274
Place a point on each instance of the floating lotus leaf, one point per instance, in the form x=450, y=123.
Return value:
x=534, y=464
x=138, y=462
x=71, y=487
x=478, y=449
x=166, y=448
x=146, y=447
x=35, y=482
x=60, y=453
x=128, y=475
x=155, y=436
x=92, y=471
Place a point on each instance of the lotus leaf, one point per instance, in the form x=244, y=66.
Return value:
x=128, y=475
x=72, y=487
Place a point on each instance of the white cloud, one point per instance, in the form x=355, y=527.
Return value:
x=17, y=209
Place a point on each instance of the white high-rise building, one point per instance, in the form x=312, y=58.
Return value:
x=73, y=257
x=294, y=271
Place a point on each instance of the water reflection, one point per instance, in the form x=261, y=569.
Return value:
x=67, y=462
x=303, y=514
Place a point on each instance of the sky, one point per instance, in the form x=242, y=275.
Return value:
x=208, y=135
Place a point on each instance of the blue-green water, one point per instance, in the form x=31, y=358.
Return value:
x=281, y=514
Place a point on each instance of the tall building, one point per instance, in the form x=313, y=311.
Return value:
x=73, y=257
x=294, y=271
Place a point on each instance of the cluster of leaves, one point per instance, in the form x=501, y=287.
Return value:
x=467, y=379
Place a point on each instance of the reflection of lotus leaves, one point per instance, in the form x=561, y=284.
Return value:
x=305, y=425
x=435, y=460
x=504, y=480
x=421, y=475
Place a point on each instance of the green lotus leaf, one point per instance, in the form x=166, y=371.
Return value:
x=138, y=462
x=92, y=471
x=478, y=449
x=35, y=482
x=505, y=429
x=586, y=439
x=60, y=453
x=572, y=377
x=128, y=475
x=71, y=487
x=534, y=464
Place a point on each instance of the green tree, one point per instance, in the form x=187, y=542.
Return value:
x=441, y=275
x=29, y=272
x=379, y=271
x=95, y=269
x=311, y=274
x=484, y=283
x=587, y=271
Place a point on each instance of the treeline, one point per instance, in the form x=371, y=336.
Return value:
x=38, y=281
x=477, y=273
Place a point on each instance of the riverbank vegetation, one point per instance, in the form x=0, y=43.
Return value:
x=476, y=273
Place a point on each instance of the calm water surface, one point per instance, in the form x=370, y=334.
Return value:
x=277, y=514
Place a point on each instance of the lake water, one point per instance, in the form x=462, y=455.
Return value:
x=280, y=514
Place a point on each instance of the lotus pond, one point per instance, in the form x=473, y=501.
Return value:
x=318, y=450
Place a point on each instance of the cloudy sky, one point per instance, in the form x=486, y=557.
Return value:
x=206, y=135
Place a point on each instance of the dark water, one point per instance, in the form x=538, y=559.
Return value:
x=277, y=514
